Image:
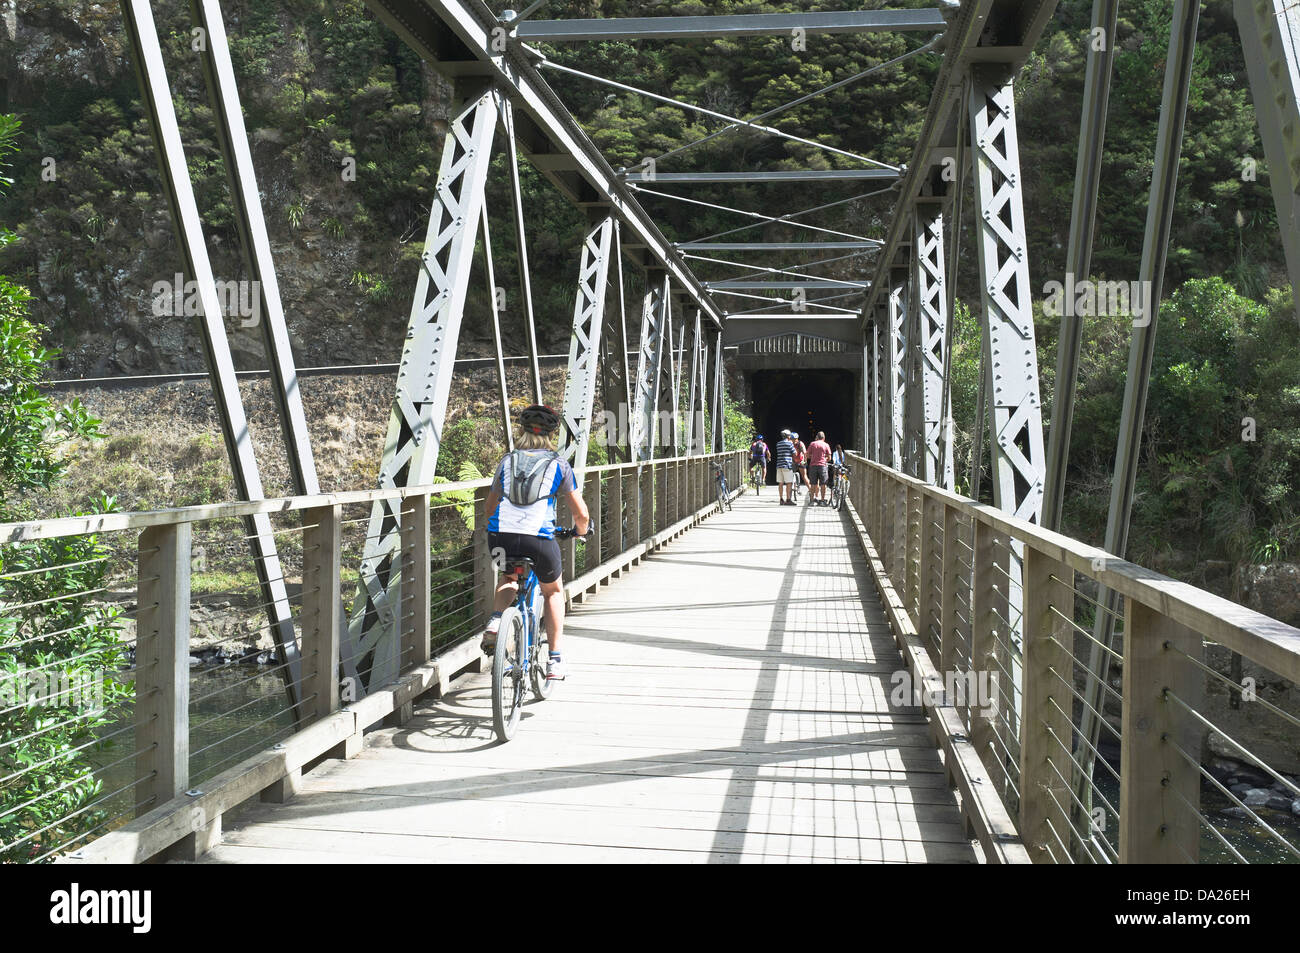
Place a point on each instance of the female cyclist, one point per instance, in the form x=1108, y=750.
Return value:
x=521, y=522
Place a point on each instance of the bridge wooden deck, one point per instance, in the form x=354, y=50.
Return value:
x=727, y=702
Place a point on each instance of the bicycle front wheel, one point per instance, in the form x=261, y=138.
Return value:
x=508, y=675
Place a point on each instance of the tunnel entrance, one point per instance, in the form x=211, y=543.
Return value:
x=805, y=401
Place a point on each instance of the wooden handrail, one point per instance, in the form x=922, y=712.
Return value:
x=1263, y=639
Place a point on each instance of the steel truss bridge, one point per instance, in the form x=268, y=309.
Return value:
x=950, y=586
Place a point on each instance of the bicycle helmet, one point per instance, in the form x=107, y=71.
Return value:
x=539, y=419
x=758, y=437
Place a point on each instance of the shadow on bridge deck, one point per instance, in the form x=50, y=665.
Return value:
x=727, y=702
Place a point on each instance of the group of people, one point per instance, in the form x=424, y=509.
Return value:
x=812, y=464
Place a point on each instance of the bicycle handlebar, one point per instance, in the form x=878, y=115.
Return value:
x=571, y=532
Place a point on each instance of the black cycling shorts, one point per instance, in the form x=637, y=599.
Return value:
x=545, y=553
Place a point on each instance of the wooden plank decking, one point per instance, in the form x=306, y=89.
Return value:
x=727, y=702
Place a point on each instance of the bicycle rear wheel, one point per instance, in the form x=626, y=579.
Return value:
x=508, y=675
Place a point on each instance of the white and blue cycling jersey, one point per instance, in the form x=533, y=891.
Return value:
x=535, y=519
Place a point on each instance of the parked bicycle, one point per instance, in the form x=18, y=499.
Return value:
x=522, y=648
x=724, y=497
x=841, y=488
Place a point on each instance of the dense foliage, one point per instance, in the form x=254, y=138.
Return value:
x=59, y=645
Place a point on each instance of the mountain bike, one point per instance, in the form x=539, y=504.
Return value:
x=724, y=498
x=758, y=475
x=841, y=489
x=522, y=647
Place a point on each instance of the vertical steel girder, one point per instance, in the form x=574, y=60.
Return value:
x=157, y=99
x=584, y=344
x=695, y=402
x=521, y=243
x=719, y=378
x=1012, y=374
x=650, y=353
x=1015, y=413
x=676, y=347
x=876, y=365
x=503, y=390
x=913, y=395
x=1078, y=256
x=614, y=366
x=867, y=446
x=1270, y=39
x=897, y=377
x=932, y=299
x=423, y=379
x=232, y=139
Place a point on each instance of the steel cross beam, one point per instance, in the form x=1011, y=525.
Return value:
x=746, y=284
x=932, y=331
x=462, y=38
x=155, y=94
x=424, y=378
x=779, y=246
x=733, y=25
x=584, y=344
x=775, y=178
x=650, y=352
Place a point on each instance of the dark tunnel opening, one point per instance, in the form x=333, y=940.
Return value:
x=805, y=401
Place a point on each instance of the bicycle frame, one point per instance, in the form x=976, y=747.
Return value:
x=524, y=603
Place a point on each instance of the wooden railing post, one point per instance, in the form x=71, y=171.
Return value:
x=568, y=547
x=1045, y=727
x=662, y=499
x=636, y=482
x=416, y=597
x=485, y=573
x=912, y=576
x=591, y=496
x=614, y=511
x=951, y=580
x=322, y=610
x=929, y=596
x=1159, y=791
x=984, y=600
x=162, y=681
x=416, y=600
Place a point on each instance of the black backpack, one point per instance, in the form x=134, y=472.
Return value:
x=522, y=475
